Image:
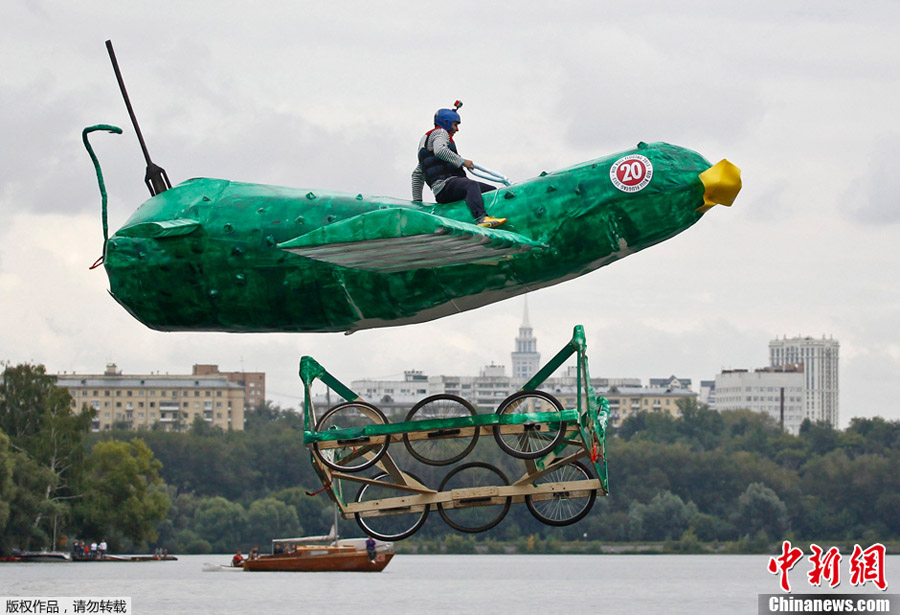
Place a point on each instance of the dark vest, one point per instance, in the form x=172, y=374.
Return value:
x=433, y=168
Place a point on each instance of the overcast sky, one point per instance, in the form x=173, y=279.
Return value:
x=803, y=96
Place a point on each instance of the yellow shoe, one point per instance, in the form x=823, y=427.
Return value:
x=491, y=222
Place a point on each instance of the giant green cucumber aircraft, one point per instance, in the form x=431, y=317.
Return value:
x=217, y=255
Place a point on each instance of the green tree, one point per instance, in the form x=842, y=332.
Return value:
x=23, y=496
x=709, y=528
x=759, y=509
x=756, y=432
x=125, y=496
x=649, y=426
x=7, y=486
x=210, y=465
x=310, y=511
x=820, y=437
x=189, y=542
x=270, y=518
x=40, y=421
x=699, y=426
x=200, y=427
x=266, y=414
x=878, y=435
x=665, y=517
x=221, y=523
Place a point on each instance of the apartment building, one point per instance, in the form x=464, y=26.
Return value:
x=156, y=401
x=626, y=399
x=820, y=359
x=777, y=391
x=254, y=383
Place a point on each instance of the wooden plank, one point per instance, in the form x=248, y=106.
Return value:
x=497, y=494
x=412, y=485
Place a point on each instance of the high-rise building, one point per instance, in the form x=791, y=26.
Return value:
x=820, y=367
x=526, y=360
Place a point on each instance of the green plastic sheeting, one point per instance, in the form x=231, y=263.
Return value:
x=216, y=255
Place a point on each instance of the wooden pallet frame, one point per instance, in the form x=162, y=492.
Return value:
x=586, y=432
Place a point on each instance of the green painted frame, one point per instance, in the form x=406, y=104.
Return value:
x=587, y=432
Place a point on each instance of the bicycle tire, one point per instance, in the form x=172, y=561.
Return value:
x=351, y=449
x=561, y=510
x=368, y=524
x=538, y=439
x=460, y=517
x=441, y=448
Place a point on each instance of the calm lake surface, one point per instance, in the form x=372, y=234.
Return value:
x=495, y=584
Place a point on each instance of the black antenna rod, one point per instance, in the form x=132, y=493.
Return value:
x=156, y=179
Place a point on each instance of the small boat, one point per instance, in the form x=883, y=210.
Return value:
x=149, y=558
x=325, y=553
x=41, y=556
x=321, y=558
x=207, y=567
x=127, y=558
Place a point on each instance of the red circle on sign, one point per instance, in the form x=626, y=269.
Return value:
x=631, y=172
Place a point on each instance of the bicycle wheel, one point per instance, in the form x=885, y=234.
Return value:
x=564, y=507
x=394, y=526
x=441, y=447
x=352, y=454
x=477, y=513
x=533, y=440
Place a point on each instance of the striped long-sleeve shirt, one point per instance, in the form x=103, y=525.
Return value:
x=438, y=142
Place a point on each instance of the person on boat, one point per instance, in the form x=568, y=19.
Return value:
x=238, y=559
x=443, y=169
x=93, y=550
x=370, y=548
x=101, y=548
x=254, y=553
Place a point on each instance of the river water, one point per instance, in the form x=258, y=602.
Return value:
x=493, y=584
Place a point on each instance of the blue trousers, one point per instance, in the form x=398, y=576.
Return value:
x=459, y=188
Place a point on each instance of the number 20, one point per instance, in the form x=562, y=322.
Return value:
x=632, y=172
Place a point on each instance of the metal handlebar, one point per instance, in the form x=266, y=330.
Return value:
x=490, y=175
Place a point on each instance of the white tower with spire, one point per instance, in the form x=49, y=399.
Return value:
x=526, y=360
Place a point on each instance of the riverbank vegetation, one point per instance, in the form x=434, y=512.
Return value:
x=706, y=481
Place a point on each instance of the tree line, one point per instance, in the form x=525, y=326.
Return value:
x=732, y=478
x=54, y=482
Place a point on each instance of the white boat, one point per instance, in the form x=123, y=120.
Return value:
x=42, y=556
x=207, y=567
